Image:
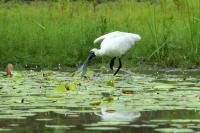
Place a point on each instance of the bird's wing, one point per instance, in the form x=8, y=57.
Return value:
x=109, y=35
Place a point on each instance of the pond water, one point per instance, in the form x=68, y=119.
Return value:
x=140, y=102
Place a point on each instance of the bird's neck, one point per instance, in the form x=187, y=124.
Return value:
x=99, y=52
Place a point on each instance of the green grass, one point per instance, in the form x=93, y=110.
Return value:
x=51, y=33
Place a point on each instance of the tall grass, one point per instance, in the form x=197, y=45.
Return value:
x=51, y=33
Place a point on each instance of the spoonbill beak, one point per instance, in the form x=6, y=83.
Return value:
x=83, y=68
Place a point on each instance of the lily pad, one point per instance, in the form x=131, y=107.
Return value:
x=59, y=126
x=174, y=130
x=5, y=129
x=102, y=128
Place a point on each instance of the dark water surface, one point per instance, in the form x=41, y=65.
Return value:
x=39, y=122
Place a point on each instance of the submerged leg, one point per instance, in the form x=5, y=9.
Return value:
x=112, y=63
x=120, y=65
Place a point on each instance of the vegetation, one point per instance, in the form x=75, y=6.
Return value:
x=59, y=102
x=52, y=33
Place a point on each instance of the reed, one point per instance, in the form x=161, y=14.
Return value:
x=51, y=33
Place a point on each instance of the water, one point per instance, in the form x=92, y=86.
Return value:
x=53, y=122
x=141, y=102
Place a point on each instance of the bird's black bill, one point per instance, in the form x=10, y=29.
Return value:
x=83, y=68
x=90, y=56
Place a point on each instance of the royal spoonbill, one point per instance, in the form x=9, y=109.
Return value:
x=114, y=44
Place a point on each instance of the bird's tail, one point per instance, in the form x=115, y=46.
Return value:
x=138, y=37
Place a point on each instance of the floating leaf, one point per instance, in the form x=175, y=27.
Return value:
x=95, y=103
x=110, y=83
x=102, y=128
x=44, y=119
x=75, y=74
x=47, y=73
x=110, y=110
x=174, y=130
x=5, y=129
x=90, y=72
x=165, y=86
x=60, y=88
x=59, y=126
x=108, y=99
x=71, y=86
x=127, y=91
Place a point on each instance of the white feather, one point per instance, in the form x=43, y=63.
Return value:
x=109, y=35
x=116, y=43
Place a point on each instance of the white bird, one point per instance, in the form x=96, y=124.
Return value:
x=114, y=44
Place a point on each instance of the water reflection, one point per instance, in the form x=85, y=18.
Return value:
x=115, y=115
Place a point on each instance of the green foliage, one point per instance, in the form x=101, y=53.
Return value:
x=51, y=33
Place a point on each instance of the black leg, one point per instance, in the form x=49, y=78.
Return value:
x=112, y=63
x=120, y=65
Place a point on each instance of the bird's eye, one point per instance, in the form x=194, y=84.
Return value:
x=92, y=52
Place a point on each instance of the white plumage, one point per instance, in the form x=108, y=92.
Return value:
x=114, y=44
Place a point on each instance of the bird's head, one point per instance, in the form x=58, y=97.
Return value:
x=91, y=54
x=95, y=51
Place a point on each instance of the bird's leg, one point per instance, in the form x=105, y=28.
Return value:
x=120, y=65
x=112, y=63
